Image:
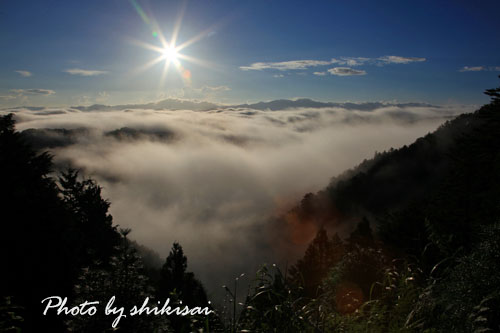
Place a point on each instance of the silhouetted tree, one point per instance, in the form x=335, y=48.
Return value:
x=494, y=93
x=90, y=211
x=38, y=241
x=48, y=232
x=362, y=235
x=321, y=255
x=179, y=285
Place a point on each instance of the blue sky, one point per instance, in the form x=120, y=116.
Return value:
x=63, y=52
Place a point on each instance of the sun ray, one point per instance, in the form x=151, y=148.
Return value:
x=195, y=39
x=197, y=61
x=148, y=65
x=178, y=23
x=169, y=51
x=166, y=65
x=147, y=46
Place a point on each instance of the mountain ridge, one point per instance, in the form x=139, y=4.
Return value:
x=274, y=105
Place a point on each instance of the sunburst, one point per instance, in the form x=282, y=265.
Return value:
x=169, y=52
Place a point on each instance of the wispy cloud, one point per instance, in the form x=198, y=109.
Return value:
x=398, y=60
x=24, y=73
x=285, y=65
x=472, y=69
x=479, y=69
x=278, y=75
x=33, y=91
x=350, y=61
x=346, y=71
x=214, y=88
x=343, y=61
x=85, y=72
x=102, y=97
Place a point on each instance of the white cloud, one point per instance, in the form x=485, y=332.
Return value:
x=214, y=88
x=278, y=75
x=344, y=61
x=399, y=60
x=320, y=73
x=102, y=97
x=304, y=64
x=350, y=61
x=479, y=69
x=285, y=65
x=24, y=73
x=33, y=91
x=346, y=71
x=472, y=69
x=85, y=72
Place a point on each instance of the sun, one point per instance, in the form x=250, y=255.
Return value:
x=170, y=54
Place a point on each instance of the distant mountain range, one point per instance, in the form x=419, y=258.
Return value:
x=283, y=104
x=276, y=105
x=166, y=104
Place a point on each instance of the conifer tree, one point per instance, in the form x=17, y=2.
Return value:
x=180, y=286
x=321, y=255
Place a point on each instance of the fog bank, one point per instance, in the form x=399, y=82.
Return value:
x=211, y=179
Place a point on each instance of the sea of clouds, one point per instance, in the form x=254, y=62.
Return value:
x=211, y=180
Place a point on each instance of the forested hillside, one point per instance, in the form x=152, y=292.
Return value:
x=58, y=239
x=425, y=253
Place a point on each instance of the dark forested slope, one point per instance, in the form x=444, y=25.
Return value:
x=432, y=263
x=58, y=239
x=450, y=178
